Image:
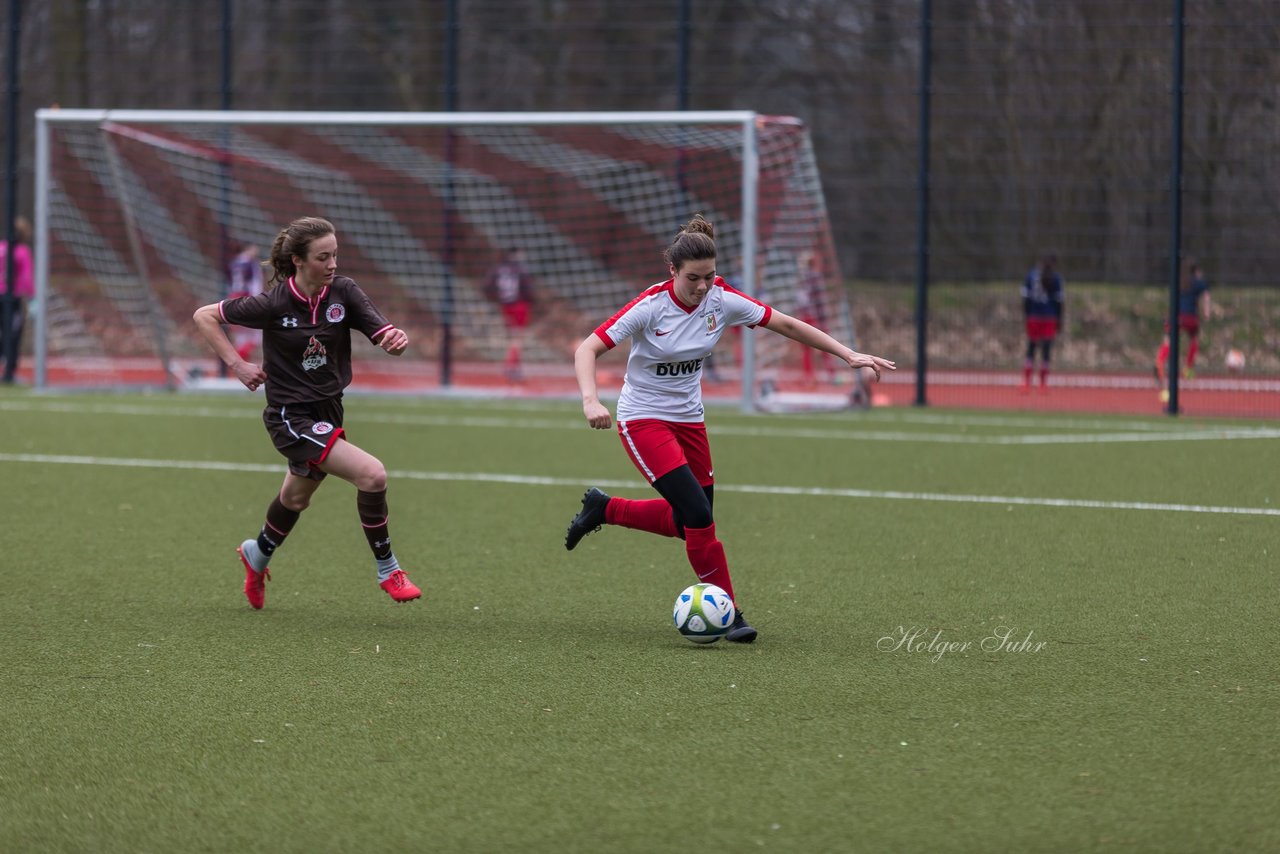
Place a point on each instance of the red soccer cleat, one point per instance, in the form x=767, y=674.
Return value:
x=255, y=583
x=400, y=588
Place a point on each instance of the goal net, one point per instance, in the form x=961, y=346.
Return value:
x=139, y=214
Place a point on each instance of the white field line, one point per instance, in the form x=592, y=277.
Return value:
x=1119, y=432
x=537, y=480
x=915, y=416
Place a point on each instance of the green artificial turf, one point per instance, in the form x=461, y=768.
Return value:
x=538, y=700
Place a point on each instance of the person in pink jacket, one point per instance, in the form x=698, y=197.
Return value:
x=23, y=289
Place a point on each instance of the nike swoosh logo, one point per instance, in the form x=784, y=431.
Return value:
x=660, y=332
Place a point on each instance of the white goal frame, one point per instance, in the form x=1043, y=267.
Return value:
x=746, y=124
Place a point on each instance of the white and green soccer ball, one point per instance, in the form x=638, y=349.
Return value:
x=704, y=613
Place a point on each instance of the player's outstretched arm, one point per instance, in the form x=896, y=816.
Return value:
x=209, y=321
x=812, y=336
x=584, y=367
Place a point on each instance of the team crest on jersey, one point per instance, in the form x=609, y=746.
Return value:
x=321, y=428
x=711, y=322
x=315, y=355
x=335, y=313
x=289, y=322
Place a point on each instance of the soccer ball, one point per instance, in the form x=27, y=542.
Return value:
x=704, y=613
x=1234, y=361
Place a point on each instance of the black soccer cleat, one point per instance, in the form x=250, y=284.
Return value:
x=589, y=519
x=740, y=632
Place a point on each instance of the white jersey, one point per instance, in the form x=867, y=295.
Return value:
x=669, y=341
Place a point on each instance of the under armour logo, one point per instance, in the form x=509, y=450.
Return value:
x=288, y=322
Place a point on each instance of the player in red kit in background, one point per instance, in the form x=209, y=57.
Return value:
x=307, y=319
x=811, y=307
x=511, y=285
x=1042, y=304
x=673, y=327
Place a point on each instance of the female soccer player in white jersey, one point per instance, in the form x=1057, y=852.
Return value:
x=673, y=327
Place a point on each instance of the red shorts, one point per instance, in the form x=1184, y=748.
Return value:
x=660, y=447
x=1042, y=328
x=516, y=314
x=1188, y=323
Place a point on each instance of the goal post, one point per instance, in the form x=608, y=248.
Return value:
x=138, y=213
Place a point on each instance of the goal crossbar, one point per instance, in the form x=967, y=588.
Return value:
x=303, y=117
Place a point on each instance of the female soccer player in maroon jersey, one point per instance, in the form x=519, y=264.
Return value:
x=307, y=319
x=673, y=327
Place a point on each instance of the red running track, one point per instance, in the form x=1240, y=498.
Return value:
x=1219, y=397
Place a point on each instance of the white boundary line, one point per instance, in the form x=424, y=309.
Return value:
x=1121, y=432
x=537, y=480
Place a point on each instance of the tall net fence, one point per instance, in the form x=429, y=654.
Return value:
x=1051, y=130
x=145, y=214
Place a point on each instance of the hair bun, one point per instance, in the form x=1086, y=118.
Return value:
x=699, y=225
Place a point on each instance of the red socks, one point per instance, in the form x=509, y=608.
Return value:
x=706, y=556
x=652, y=515
x=706, y=553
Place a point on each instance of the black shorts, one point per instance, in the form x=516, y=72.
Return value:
x=305, y=433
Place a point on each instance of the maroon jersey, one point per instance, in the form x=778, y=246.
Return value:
x=306, y=343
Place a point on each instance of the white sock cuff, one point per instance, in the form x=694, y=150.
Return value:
x=386, y=566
